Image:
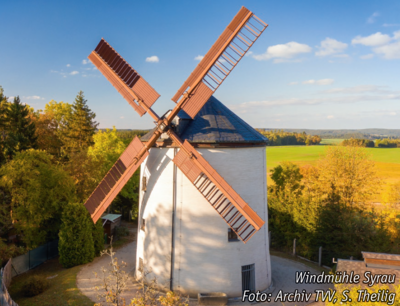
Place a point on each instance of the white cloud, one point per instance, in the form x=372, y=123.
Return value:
x=85, y=61
x=248, y=53
x=341, y=55
x=367, y=56
x=74, y=72
x=391, y=25
x=373, y=40
x=293, y=83
x=389, y=51
x=372, y=18
x=358, y=89
x=198, y=57
x=258, y=105
x=122, y=117
x=330, y=46
x=10, y=99
x=283, y=52
x=319, y=82
x=34, y=98
x=152, y=59
x=330, y=117
x=68, y=65
x=384, y=45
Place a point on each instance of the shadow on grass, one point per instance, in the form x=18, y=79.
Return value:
x=62, y=290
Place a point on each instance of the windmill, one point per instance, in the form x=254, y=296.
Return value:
x=190, y=99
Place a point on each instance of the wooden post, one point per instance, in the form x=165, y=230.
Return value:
x=320, y=256
x=269, y=238
x=294, y=247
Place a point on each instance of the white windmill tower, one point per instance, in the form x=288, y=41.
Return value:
x=201, y=169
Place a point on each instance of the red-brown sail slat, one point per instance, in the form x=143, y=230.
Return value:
x=204, y=75
x=115, y=180
x=223, y=198
x=123, y=77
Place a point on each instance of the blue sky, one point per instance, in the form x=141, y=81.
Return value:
x=319, y=64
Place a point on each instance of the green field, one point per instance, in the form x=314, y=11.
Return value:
x=387, y=159
x=331, y=142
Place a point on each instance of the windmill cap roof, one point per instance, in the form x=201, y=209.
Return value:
x=215, y=123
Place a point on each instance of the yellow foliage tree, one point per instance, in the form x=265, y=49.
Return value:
x=349, y=173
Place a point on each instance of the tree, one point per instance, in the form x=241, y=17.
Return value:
x=98, y=237
x=81, y=126
x=39, y=190
x=348, y=172
x=107, y=148
x=76, y=245
x=85, y=171
x=61, y=113
x=287, y=177
x=20, y=129
x=47, y=134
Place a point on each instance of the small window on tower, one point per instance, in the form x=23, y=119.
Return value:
x=143, y=225
x=232, y=236
x=144, y=183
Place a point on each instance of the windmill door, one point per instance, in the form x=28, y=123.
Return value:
x=248, y=278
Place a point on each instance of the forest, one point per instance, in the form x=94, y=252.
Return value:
x=50, y=162
x=282, y=138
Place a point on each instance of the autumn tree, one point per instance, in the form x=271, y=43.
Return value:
x=81, y=125
x=107, y=148
x=61, y=114
x=39, y=191
x=48, y=138
x=85, y=172
x=349, y=173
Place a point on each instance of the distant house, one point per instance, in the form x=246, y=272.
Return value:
x=110, y=222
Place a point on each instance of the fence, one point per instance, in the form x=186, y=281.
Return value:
x=319, y=255
x=34, y=257
x=5, y=280
x=24, y=263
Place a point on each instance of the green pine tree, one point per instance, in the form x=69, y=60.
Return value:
x=3, y=107
x=76, y=245
x=81, y=127
x=98, y=237
x=20, y=130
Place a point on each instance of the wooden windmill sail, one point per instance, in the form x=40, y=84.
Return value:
x=216, y=65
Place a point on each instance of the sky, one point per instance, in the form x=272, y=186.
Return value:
x=318, y=65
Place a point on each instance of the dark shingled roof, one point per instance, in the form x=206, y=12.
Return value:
x=215, y=123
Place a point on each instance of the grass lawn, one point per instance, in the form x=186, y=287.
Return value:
x=62, y=290
x=387, y=159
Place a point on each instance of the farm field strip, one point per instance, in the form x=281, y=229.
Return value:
x=387, y=159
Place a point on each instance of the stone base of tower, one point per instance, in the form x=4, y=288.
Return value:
x=180, y=231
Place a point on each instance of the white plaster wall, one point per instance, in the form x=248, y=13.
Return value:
x=204, y=260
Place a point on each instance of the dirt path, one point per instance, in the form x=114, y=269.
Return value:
x=86, y=280
x=283, y=276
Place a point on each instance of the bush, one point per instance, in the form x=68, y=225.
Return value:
x=121, y=231
x=98, y=237
x=35, y=285
x=355, y=142
x=76, y=245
